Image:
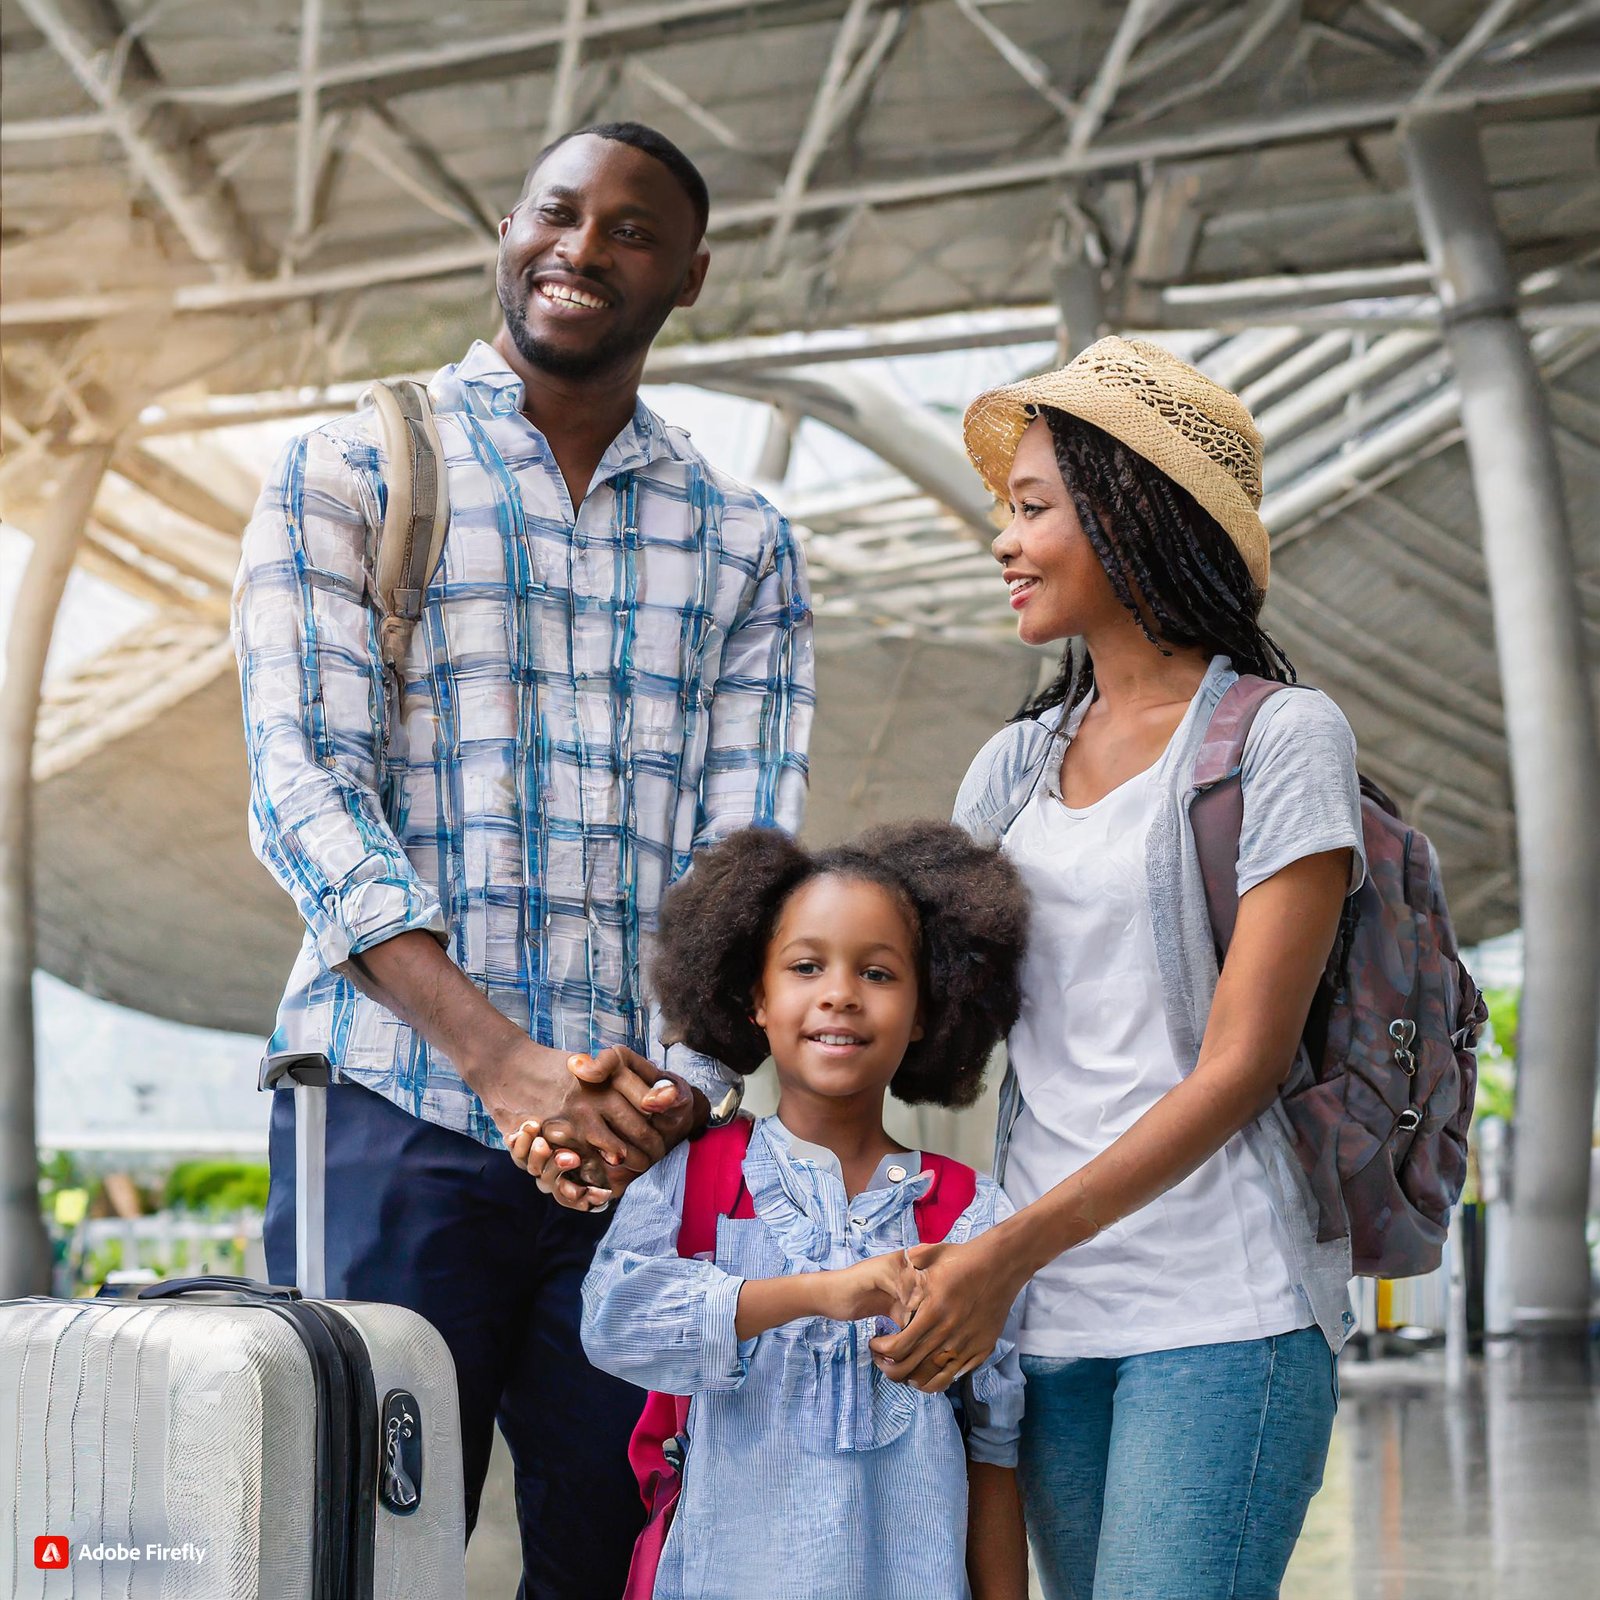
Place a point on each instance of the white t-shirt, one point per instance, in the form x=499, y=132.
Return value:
x=1209, y=1261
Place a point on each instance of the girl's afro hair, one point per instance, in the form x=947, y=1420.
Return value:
x=969, y=919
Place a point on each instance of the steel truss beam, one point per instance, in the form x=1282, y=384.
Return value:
x=160, y=147
x=611, y=35
x=1577, y=73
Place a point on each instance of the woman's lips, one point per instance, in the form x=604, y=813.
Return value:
x=1022, y=593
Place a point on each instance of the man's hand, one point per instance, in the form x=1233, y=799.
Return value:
x=530, y=1150
x=588, y=1178
x=965, y=1295
x=615, y=1112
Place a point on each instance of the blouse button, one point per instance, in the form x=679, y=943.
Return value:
x=896, y=1174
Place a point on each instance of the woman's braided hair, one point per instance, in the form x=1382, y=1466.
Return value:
x=1169, y=561
x=964, y=904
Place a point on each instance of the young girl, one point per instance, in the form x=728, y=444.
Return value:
x=891, y=962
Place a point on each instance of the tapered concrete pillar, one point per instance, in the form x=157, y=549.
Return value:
x=24, y=1249
x=1549, y=712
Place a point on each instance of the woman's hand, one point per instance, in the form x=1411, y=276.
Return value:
x=965, y=1295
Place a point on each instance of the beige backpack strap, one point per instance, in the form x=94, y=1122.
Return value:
x=416, y=514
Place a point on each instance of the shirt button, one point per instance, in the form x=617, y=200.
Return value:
x=896, y=1174
x=858, y=1222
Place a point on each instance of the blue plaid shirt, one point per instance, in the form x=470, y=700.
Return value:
x=586, y=701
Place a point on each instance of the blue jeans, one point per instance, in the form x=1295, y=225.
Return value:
x=422, y=1217
x=1178, y=1475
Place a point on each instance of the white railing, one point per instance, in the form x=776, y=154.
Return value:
x=165, y=1243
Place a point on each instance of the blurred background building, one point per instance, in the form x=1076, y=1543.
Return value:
x=1379, y=220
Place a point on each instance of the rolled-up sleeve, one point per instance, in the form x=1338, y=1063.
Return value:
x=992, y=1394
x=314, y=702
x=649, y=1315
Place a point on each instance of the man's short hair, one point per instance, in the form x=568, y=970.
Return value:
x=652, y=143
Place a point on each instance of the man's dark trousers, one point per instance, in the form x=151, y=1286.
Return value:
x=432, y=1220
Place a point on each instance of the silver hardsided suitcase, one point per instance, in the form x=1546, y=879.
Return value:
x=218, y=1439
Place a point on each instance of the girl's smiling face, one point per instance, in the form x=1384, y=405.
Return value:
x=837, y=997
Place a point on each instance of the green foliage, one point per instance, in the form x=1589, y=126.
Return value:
x=57, y=1172
x=1505, y=1015
x=1496, y=1091
x=217, y=1188
x=222, y=1255
x=1497, y=1055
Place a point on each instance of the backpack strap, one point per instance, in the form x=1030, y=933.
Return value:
x=713, y=1185
x=1216, y=813
x=416, y=512
x=951, y=1192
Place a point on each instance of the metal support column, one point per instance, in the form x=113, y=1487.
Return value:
x=1077, y=277
x=1549, y=712
x=24, y=1248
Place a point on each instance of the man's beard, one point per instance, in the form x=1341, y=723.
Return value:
x=618, y=348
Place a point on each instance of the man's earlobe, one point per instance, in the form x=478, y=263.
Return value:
x=694, y=279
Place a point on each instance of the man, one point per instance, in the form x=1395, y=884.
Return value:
x=613, y=667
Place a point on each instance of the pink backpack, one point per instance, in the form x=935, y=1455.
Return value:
x=1380, y=1100
x=714, y=1187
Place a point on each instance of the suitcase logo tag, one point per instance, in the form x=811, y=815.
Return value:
x=401, y=1486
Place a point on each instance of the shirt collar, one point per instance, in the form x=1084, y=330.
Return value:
x=481, y=382
x=891, y=1171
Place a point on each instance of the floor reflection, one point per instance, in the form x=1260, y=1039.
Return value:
x=1491, y=1492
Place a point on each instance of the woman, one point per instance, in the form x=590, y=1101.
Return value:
x=1182, y=1318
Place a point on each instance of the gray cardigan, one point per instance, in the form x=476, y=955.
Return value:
x=1004, y=776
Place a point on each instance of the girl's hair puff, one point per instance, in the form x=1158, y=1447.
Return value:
x=968, y=914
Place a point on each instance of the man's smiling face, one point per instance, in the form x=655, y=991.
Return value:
x=600, y=249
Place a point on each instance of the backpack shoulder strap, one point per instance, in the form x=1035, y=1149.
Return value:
x=951, y=1192
x=1216, y=814
x=713, y=1185
x=416, y=513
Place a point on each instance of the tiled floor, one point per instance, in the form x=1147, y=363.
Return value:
x=1489, y=1494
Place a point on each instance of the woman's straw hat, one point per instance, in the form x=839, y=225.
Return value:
x=1194, y=430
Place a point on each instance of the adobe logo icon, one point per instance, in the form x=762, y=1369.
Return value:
x=50, y=1551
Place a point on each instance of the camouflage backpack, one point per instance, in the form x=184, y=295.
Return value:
x=1379, y=1099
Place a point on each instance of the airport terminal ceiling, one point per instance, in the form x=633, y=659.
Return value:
x=248, y=210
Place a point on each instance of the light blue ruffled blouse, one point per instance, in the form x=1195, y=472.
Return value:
x=810, y=1474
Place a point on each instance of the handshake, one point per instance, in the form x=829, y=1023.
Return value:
x=614, y=1117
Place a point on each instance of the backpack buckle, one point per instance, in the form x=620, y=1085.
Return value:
x=1404, y=1033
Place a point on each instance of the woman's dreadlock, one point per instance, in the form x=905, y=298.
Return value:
x=1170, y=563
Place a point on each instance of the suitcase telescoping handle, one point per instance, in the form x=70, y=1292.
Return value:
x=309, y=1076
